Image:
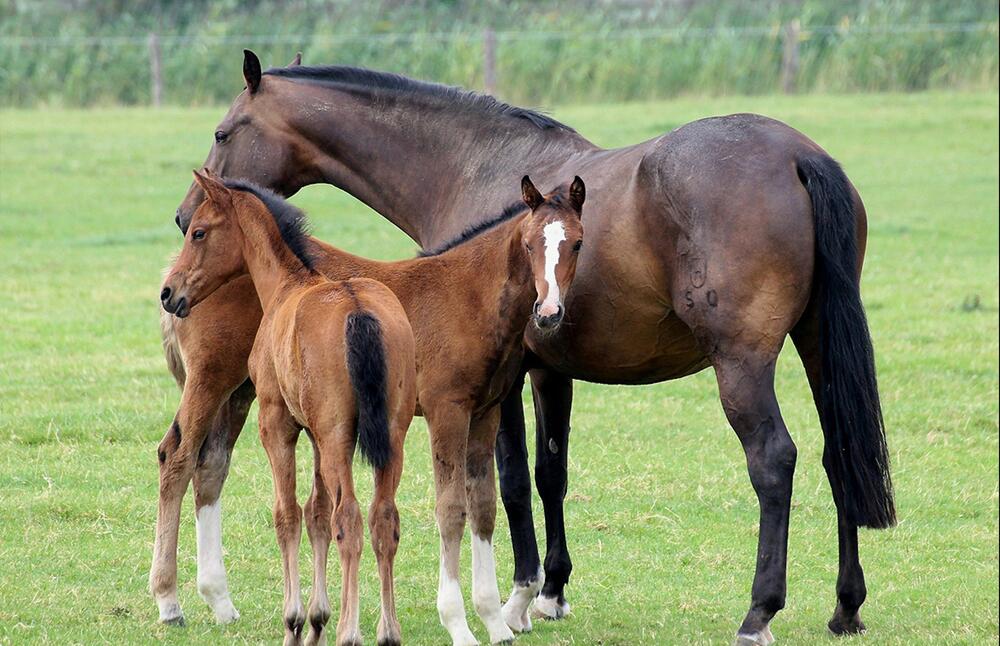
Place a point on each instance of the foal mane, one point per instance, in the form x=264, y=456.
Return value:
x=454, y=98
x=291, y=220
x=515, y=209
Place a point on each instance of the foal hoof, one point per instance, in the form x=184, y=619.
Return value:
x=549, y=608
x=844, y=624
x=177, y=621
x=760, y=638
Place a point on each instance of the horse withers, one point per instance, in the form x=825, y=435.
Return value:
x=333, y=357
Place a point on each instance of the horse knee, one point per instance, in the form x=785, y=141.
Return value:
x=551, y=481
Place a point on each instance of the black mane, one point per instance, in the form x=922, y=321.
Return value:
x=453, y=96
x=514, y=209
x=291, y=220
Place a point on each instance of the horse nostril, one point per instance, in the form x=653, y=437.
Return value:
x=559, y=313
x=165, y=295
x=537, y=307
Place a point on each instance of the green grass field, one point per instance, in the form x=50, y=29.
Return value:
x=661, y=516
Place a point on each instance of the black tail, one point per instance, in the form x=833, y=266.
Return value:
x=366, y=367
x=850, y=412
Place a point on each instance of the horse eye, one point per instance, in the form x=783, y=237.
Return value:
x=220, y=137
x=527, y=246
x=198, y=234
x=579, y=243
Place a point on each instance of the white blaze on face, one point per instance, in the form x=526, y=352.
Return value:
x=553, y=234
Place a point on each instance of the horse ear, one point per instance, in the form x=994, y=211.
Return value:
x=577, y=194
x=215, y=190
x=530, y=194
x=296, y=61
x=251, y=71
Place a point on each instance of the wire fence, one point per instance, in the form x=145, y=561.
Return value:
x=528, y=66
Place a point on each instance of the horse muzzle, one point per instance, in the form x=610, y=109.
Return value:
x=179, y=307
x=547, y=321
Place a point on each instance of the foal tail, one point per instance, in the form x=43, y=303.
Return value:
x=850, y=411
x=366, y=368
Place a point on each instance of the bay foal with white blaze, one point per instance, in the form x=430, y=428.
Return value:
x=468, y=303
x=335, y=358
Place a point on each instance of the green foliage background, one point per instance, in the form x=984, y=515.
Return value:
x=87, y=52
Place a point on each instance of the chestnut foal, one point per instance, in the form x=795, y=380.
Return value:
x=335, y=358
x=468, y=302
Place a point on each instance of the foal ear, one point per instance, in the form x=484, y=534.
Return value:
x=296, y=61
x=530, y=194
x=215, y=190
x=251, y=71
x=577, y=194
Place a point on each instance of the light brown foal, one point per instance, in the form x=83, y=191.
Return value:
x=333, y=357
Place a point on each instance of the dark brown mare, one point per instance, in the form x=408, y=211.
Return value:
x=468, y=304
x=335, y=358
x=711, y=244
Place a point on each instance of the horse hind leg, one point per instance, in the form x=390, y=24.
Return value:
x=209, y=478
x=746, y=387
x=383, y=525
x=318, y=515
x=337, y=449
x=851, y=589
x=278, y=435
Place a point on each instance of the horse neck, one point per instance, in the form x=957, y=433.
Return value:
x=431, y=169
x=271, y=264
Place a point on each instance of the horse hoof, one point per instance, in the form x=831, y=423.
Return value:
x=226, y=613
x=549, y=608
x=841, y=624
x=760, y=638
x=177, y=621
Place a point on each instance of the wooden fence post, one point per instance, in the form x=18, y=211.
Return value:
x=490, y=61
x=790, y=58
x=155, y=71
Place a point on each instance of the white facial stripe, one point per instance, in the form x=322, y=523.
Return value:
x=552, y=235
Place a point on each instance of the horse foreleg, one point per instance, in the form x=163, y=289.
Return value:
x=553, y=397
x=177, y=454
x=449, y=431
x=746, y=387
x=482, y=497
x=515, y=489
x=209, y=478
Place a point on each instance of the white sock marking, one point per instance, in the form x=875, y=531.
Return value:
x=552, y=235
x=451, y=610
x=212, y=584
x=485, y=593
